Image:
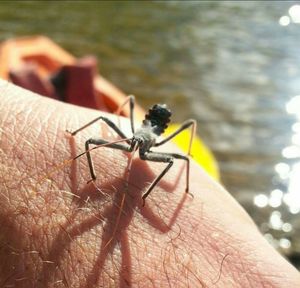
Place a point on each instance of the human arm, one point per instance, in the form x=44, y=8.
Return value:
x=54, y=230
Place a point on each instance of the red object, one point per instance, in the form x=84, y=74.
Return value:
x=38, y=64
x=28, y=78
x=75, y=84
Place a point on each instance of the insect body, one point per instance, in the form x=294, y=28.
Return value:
x=144, y=139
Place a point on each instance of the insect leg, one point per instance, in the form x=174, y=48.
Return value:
x=156, y=157
x=111, y=124
x=131, y=100
x=189, y=123
x=168, y=158
x=94, y=141
x=187, y=159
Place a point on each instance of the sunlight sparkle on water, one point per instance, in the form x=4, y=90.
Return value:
x=275, y=220
x=261, y=200
x=291, y=152
x=294, y=12
x=275, y=198
x=296, y=139
x=283, y=170
x=292, y=198
x=284, y=243
x=284, y=20
x=292, y=107
x=287, y=227
x=296, y=127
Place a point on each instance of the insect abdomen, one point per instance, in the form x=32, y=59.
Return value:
x=159, y=115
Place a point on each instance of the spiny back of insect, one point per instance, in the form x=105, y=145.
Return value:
x=159, y=115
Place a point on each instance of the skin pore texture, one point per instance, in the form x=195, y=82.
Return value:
x=58, y=231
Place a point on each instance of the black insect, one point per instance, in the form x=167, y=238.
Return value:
x=143, y=139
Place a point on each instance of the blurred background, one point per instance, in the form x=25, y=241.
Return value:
x=233, y=66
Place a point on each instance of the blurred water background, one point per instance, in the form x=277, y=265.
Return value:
x=233, y=66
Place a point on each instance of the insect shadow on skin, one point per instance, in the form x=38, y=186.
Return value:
x=112, y=232
x=123, y=202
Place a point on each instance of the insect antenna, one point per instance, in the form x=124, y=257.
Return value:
x=66, y=162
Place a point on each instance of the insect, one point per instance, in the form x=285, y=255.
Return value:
x=143, y=139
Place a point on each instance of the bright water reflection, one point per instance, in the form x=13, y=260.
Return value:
x=294, y=16
x=282, y=229
x=292, y=197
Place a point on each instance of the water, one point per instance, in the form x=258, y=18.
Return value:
x=233, y=66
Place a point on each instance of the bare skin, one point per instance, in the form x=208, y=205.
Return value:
x=58, y=231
